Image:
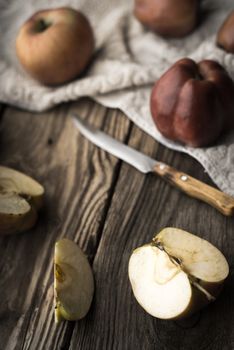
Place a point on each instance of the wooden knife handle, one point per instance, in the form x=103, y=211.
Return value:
x=197, y=189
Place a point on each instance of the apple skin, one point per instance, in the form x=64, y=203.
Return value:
x=225, y=36
x=54, y=46
x=193, y=103
x=168, y=18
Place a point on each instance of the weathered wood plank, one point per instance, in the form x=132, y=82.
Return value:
x=79, y=181
x=141, y=206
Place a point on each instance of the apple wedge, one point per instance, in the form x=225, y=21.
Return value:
x=176, y=274
x=20, y=199
x=73, y=282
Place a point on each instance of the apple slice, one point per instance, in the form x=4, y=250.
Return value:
x=73, y=282
x=14, y=181
x=16, y=215
x=176, y=274
x=20, y=199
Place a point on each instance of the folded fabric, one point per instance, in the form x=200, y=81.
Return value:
x=128, y=60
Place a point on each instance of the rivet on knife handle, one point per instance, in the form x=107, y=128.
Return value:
x=197, y=189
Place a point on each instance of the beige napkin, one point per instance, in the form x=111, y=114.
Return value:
x=128, y=61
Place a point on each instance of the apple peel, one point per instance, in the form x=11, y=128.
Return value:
x=176, y=274
x=73, y=282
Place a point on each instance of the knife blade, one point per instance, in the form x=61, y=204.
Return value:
x=186, y=183
x=137, y=159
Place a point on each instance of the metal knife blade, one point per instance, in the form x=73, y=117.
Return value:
x=186, y=183
x=137, y=159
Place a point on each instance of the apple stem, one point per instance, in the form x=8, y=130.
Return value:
x=157, y=244
x=42, y=25
x=178, y=262
x=198, y=76
x=160, y=246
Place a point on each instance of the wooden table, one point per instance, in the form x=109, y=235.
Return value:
x=108, y=208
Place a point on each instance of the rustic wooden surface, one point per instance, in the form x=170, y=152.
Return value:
x=108, y=208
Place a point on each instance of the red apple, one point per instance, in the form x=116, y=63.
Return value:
x=169, y=18
x=55, y=46
x=193, y=102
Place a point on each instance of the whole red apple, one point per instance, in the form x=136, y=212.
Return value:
x=169, y=18
x=225, y=37
x=56, y=45
x=193, y=102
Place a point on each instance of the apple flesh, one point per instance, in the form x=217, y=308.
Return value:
x=176, y=274
x=168, y=18
x=55, y=46
x=225, y=37
x=20, y=199
x=16, y=214
x=73, y=282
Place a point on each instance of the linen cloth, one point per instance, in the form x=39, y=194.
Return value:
x=128, y=60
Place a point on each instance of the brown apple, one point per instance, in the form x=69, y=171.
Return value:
x=168, y=18
x=56, y=45
x=225, y=37
x=193, y=102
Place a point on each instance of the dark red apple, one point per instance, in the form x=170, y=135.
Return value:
x=193, y=103
x=169, y=18
x=55, y=46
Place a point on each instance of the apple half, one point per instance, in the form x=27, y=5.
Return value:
x=73, y=282
x=176, y=274
x=20, y=199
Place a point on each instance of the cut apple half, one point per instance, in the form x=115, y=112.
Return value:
x=176, y=274
x=14, y=181
x=20, y=199
x=73, y=282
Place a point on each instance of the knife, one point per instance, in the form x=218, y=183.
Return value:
x=186, y=183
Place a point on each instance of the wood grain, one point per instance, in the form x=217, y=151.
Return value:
x=79, y=181
x=141, y=206
x=109, y=208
